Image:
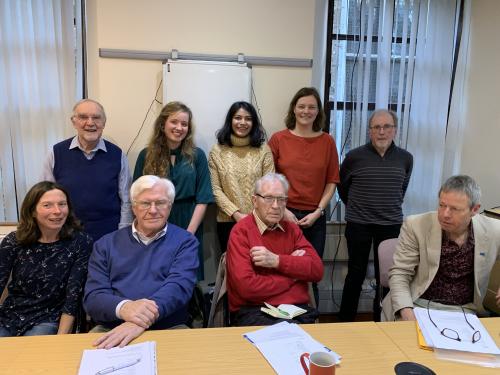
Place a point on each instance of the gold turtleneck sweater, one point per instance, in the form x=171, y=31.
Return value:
x=233, y=172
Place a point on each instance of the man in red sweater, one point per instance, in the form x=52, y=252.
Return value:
x=269, y=259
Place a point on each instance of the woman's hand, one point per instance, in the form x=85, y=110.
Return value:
x=308, y=220
x=237, y=216
x=289, y=216
x=197, y=218
x=66, y=322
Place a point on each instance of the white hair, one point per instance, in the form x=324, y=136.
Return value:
x=147, y=182
x=271, y=177
x=99, y=105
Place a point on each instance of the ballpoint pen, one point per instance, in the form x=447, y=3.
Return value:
x=120, y=366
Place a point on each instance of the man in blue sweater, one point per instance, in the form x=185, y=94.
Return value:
x=94, y=171
x=142, y=276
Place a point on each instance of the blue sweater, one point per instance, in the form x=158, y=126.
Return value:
x=92, y=185
x=121, y=268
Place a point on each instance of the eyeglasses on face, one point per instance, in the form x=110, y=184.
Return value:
x=85, y=118
x=270, y=199
x=146, y=205
x=451, y=333
x=385, y=127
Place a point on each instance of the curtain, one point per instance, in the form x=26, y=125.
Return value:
x=429, y=103
x=456, y=121
x=404, y=60
x=37, y=90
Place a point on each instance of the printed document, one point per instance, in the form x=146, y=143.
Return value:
x=454, y=321
x=283, y=343
x=137, y=359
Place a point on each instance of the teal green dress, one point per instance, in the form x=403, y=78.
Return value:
x=192, y=187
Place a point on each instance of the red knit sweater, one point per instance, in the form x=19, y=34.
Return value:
x=308, y=164
x=252, y=285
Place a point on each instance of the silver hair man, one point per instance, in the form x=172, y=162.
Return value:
x=147, y=182
x=99, y=105
x=380, y=111
x=463, y=184
x=271, y=177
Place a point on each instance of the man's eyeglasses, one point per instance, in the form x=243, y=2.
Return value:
x=385, y=127
x=145, y=205
x=270, y=199
x=85, y=118
x=451, y=333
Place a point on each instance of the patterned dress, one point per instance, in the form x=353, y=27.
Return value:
x=47, y=280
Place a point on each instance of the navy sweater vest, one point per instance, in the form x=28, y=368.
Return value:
x=92, y=185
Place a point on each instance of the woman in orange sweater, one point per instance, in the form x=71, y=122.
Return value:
x=308, y=158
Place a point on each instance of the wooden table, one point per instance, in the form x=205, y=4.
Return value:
x=404, y=336
x=366, y=348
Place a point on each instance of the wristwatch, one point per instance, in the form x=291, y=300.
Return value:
x=321, y=210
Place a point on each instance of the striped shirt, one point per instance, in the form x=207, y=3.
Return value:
x=373, y=186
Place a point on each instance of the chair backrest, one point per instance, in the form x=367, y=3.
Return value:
x=5, y=292
x=6, y=228
x=219, y=311
x=312, y=300
x=386, y=250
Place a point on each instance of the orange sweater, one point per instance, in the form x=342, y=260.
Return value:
x=308, y=164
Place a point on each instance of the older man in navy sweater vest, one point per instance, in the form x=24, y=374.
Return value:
x=94, y=171
x=142, y=276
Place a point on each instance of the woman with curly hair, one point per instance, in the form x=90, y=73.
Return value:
x=46, y=258
x=171, y=153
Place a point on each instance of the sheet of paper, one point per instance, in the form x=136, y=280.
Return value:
x=478, y=359
x=275, y=332
x=97, y=360
x=457, y=322
x=282, y=345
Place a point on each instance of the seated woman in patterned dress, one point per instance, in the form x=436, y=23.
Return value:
x=46, y=259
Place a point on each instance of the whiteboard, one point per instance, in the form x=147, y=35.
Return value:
x=208, y=89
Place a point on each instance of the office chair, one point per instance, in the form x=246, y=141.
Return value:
x=219, y=309
x=386, y=250
x=5, y=291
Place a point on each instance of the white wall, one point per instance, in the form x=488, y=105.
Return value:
x=259, y=28
x=480, y=151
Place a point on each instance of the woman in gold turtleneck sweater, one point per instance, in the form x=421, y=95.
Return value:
x=239, y=159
